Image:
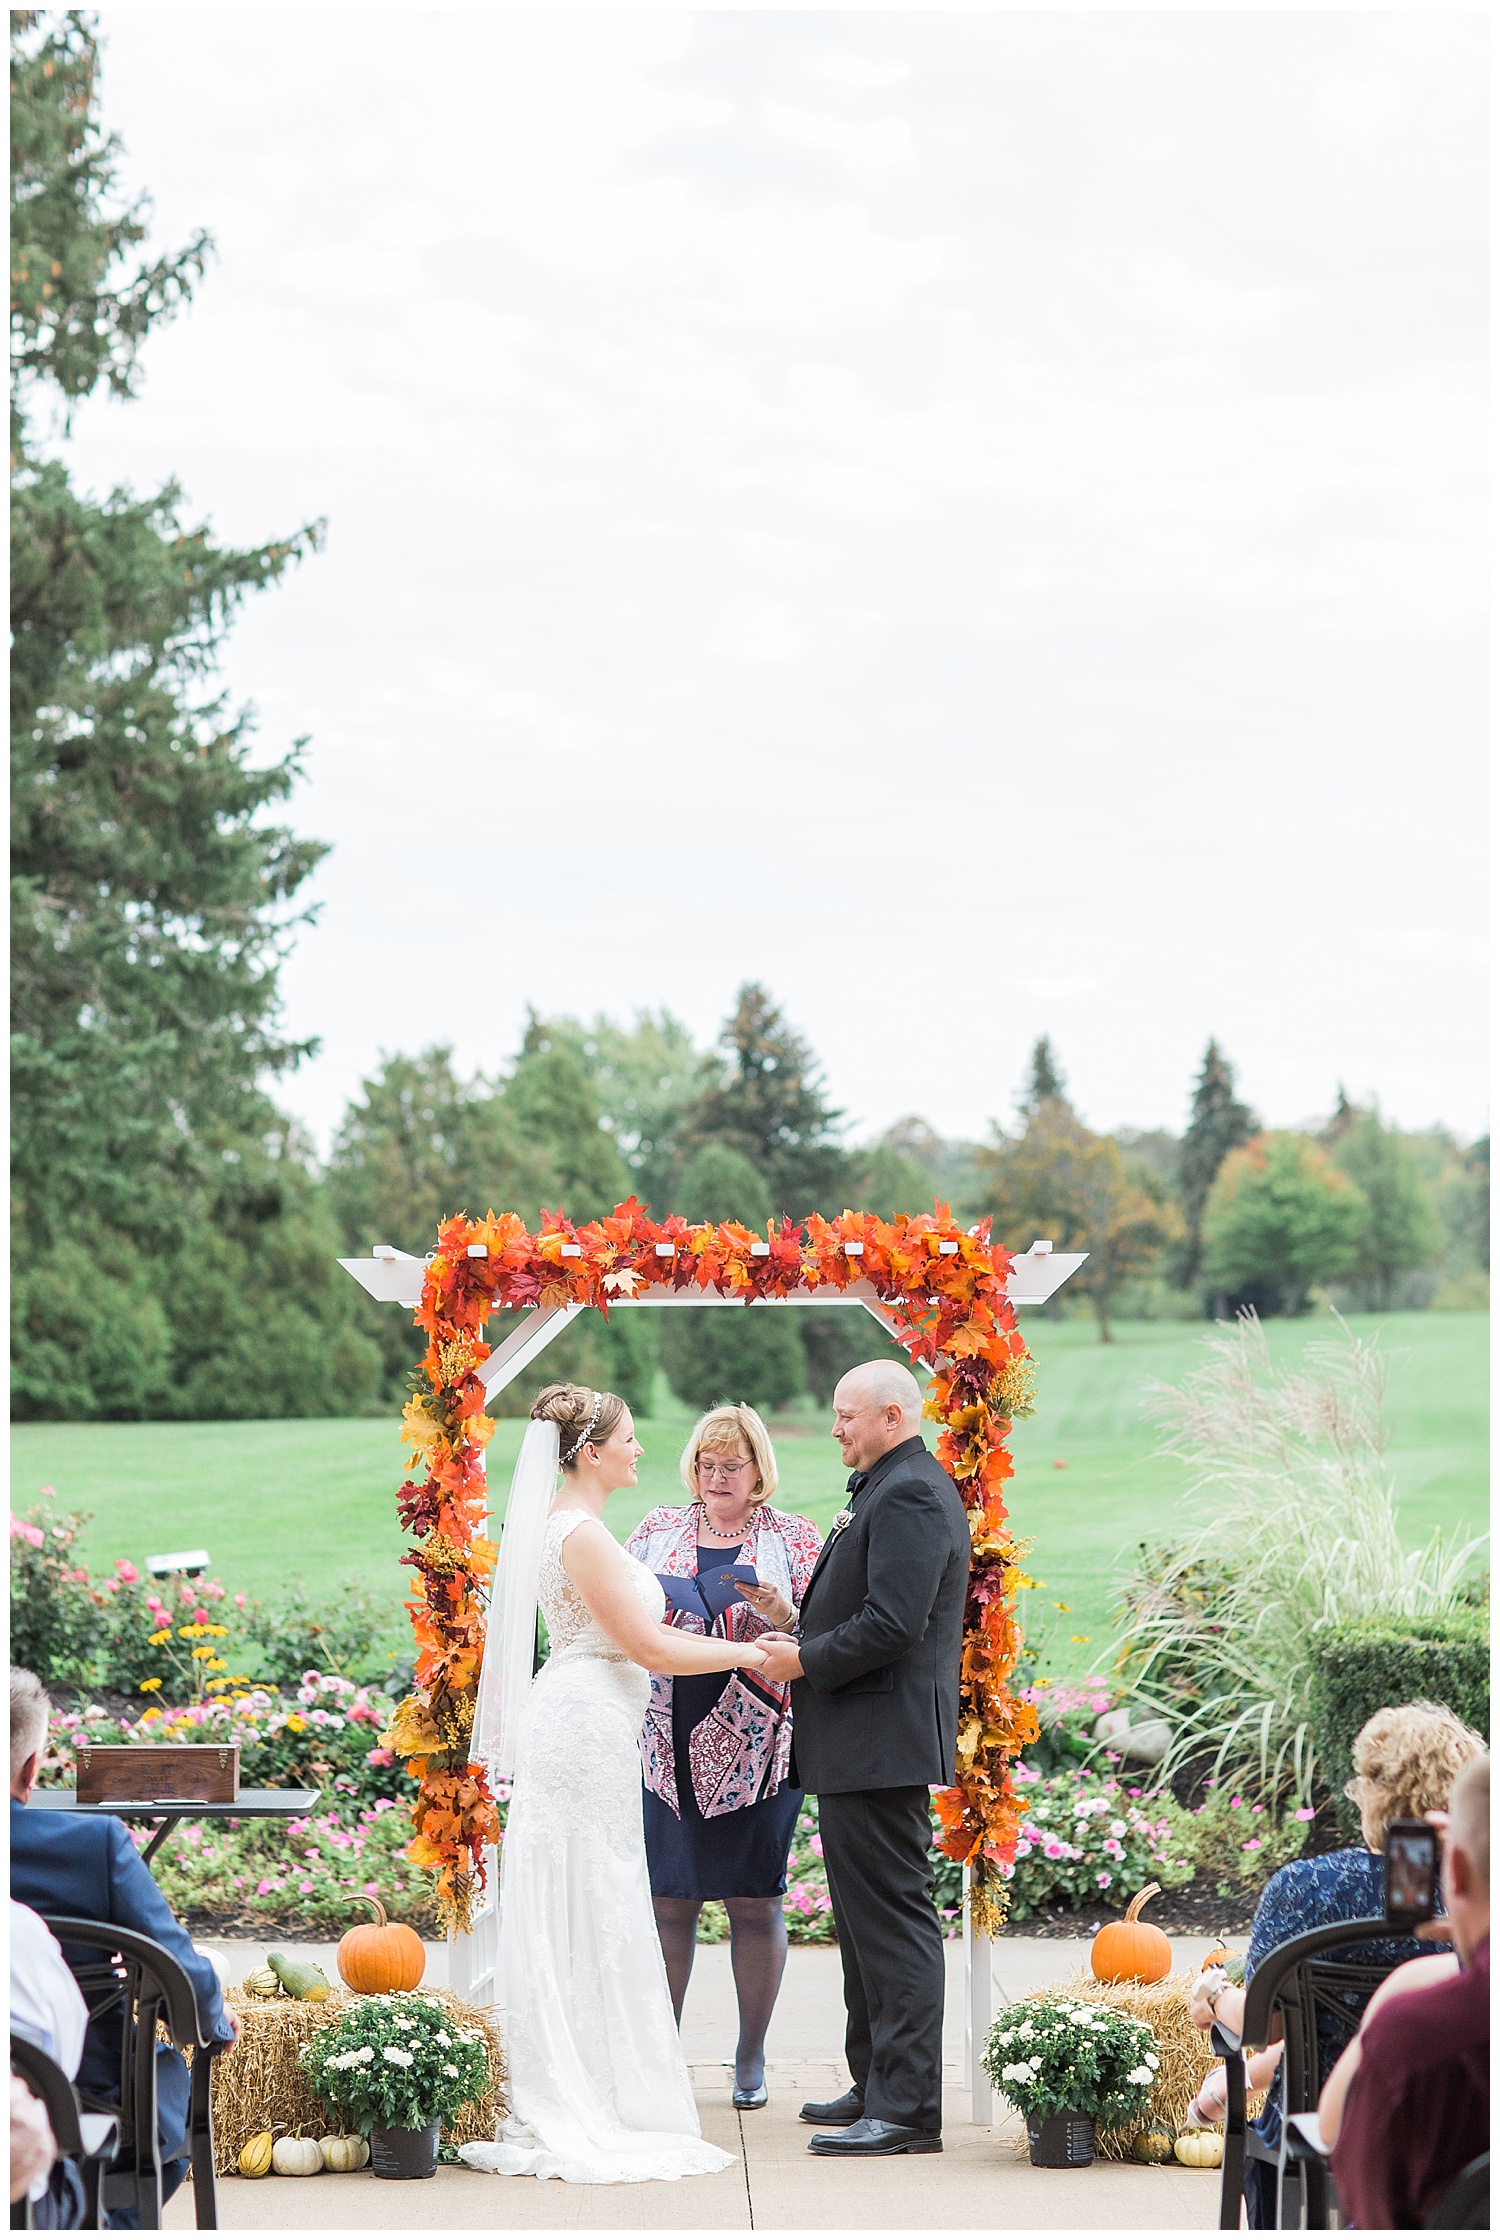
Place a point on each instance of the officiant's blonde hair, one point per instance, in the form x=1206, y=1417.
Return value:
x=720, y=1432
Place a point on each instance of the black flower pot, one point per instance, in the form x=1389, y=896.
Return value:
x=1060, y=2142
x=404, y=2154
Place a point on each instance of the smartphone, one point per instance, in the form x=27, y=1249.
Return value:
x=1411, y=1872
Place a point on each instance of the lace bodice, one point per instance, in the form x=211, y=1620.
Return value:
x=569, y=1623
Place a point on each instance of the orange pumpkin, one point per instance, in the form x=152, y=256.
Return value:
x=381, y=1955
x=1132, y=1950
x=1219, y=1956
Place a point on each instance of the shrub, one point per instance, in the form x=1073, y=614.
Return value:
x=397, y=2059
x=136, y=1635
x=1052, y=2058
x=1359, y=1668
x=1067, y=1711
x=1086, y=1839
x=295, y=1877
x=1299, y=1532
x=54, y=1618
x=339, y=1632
x=1232, y=1838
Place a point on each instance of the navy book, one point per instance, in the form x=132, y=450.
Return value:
x=709, y=1595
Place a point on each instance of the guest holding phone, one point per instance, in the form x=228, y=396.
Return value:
x=719, y=1809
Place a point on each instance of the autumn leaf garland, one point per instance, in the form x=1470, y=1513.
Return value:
x=946, y=1289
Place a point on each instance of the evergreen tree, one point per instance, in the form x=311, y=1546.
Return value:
x=714, y=1354
x=552, y=1103
x=646, y=1078
x=1218, y=1125
x=768, y=1103
x=1045, y=1083
x=151, y=896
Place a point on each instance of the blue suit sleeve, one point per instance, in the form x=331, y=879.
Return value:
x=136, y=1903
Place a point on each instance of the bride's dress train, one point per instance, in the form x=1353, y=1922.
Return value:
x=599, y=2090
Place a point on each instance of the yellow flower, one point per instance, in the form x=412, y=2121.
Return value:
x=218, y=1664
x=296, y=1722
x=156, y=1639
x=148, y=1685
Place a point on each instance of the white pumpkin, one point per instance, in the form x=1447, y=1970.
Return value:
x=1200, y=2150
x=296, y=2158
x=344, y=2151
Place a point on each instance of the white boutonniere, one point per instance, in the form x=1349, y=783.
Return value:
x=844, y=1517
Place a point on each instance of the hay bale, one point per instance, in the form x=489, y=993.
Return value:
x=259, y=2082
x=1185, y=2053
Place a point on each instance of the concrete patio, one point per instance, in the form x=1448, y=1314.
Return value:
x=982, y=2180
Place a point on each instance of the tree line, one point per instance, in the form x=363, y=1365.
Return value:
x=174, y=1238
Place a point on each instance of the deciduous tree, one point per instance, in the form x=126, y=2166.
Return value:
x=1279, y=1219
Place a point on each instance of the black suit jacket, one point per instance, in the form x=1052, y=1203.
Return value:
x=882, y=1634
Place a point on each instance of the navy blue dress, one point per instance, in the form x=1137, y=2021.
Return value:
x=736, y=1854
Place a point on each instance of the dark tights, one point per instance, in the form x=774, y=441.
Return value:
x=757, y=1954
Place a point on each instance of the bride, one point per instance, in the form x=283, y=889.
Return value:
x=599, y=2090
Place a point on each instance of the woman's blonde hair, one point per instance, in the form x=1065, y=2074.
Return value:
x=584, y=1418
x=1406, y=1760
x=721, y=1430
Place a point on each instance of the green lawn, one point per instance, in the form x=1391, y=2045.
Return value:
x=278, y=1502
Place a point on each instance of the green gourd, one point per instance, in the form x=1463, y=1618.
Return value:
x=300, y=1979
x=1154, y=2144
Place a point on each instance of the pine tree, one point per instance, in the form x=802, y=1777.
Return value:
x=1219, y=1125
x=713, y=1354
x=1045, y=1083
x=152, y=899
x=769, y=1104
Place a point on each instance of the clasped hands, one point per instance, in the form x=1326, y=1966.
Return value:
x=781, y=1656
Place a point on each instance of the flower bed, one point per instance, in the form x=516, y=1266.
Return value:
x=326, y=1734
x=1089, y=1839
x=292, y=1877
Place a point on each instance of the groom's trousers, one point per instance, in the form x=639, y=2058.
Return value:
x=878, y=1858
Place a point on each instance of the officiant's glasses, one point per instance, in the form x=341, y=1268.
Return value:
x=718, y=1465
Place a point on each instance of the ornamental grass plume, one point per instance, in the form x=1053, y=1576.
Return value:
x=1297, y=1529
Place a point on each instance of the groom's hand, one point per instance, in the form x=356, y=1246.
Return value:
x=783, y=1658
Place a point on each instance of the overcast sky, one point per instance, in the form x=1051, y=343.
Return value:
x=974, y=520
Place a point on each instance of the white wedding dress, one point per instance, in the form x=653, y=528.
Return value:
x=599, y=2090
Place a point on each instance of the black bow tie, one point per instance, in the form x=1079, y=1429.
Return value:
x=857, y=1483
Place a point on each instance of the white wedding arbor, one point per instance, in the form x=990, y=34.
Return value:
x=396, y=1278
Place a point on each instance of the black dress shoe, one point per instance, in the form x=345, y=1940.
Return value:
x=848, y=2108
x=750, y=2096
x=870, y=2136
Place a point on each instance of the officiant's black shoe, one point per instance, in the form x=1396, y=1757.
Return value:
x=848, y=2108
x=750, y=2096
x=870, y=2136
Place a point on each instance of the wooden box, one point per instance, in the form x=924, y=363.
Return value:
x=160, y=1773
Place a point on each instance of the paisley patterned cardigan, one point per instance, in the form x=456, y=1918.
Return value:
x=740, y=1753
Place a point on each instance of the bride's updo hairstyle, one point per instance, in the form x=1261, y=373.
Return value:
x=581, y=1416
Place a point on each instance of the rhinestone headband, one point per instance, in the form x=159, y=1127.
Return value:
x=583, y=1438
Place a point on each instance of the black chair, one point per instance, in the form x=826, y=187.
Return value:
x=1465, y=2207
x=134, y=1990
x=86, y=2140
x=1303, y=1982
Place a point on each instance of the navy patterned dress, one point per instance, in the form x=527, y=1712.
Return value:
x=1311, y=1894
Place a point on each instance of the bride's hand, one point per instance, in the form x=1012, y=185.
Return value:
x=752, y=1655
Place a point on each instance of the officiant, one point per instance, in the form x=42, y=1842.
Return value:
x=719, y=1808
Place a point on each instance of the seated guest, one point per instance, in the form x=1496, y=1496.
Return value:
x=1406, y=1760
x=47, y=2007
x=1417, y=2109
x=86, y=1865
x=33, y=2150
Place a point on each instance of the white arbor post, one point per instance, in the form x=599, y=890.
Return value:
x=396, y=1277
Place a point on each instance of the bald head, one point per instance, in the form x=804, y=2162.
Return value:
x=1466, y=1857
x=875, y=1407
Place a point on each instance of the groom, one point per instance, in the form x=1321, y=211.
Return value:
x=874, y=1669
